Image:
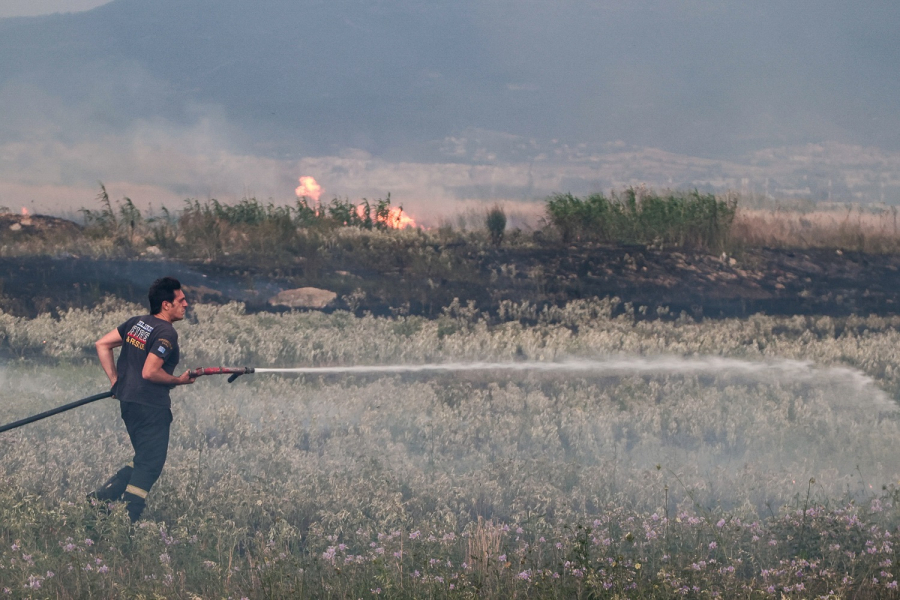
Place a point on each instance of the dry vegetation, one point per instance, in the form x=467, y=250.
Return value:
x=750, y=458
x=286, y=233
x=760, y=477
x=853, y=227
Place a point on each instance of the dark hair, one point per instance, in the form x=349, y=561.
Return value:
x=162, y=290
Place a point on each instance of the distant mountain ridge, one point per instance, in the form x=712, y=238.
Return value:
x=379, y=74
x=556, y=86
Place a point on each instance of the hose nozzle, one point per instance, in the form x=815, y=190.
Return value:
x=234, y=372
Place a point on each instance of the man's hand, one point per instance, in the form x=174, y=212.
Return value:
x=186, y=379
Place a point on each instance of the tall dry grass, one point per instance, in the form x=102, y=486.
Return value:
x=854, y=227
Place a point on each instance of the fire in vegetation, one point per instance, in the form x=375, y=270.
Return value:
x=385, y=216
x=382, y=215
x=309, y=188
x=397, y=219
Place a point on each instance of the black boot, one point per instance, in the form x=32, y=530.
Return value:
x=135, y=503
x=114, y=488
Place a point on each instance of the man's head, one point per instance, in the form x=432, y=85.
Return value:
x=167, y=301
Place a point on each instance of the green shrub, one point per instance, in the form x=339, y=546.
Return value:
x=495, y=221
x=692, y=220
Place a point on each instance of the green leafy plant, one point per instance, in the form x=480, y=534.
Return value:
x=692, y=220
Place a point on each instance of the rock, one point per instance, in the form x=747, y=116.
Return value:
x=307, y=297
x=154, y=250
x=15, y=227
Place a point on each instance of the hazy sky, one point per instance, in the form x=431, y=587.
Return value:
x=33, y=8
x=447, y=104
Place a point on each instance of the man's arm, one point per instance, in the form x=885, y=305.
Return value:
x=105, y=347
x=153, y=371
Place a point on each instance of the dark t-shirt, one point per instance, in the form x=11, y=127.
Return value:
x=140, y=337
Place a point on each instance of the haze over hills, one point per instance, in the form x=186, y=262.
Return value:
x=449, y=100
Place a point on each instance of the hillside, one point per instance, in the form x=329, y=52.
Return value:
x=408, y=78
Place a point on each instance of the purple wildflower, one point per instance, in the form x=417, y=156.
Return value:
x=34, y=582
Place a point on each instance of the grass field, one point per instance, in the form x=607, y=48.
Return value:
x=742, y=458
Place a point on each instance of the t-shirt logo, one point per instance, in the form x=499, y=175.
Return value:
x=161, y=349
x=138, y=335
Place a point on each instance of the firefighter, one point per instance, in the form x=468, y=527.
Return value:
x=141, y=380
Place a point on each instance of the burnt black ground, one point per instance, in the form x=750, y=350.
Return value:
x=769, y=281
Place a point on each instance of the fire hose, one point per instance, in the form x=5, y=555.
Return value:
x=233, y=372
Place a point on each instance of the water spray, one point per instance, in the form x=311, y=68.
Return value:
x=794, y=369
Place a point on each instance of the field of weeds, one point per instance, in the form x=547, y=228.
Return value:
x=748, y=458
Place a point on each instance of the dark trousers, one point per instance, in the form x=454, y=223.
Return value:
x=148, y=428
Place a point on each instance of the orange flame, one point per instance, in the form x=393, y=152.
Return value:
x=24, y=212
x=309, y=188
x=397, y=219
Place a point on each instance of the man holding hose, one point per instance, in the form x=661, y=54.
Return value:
x=141, y=380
